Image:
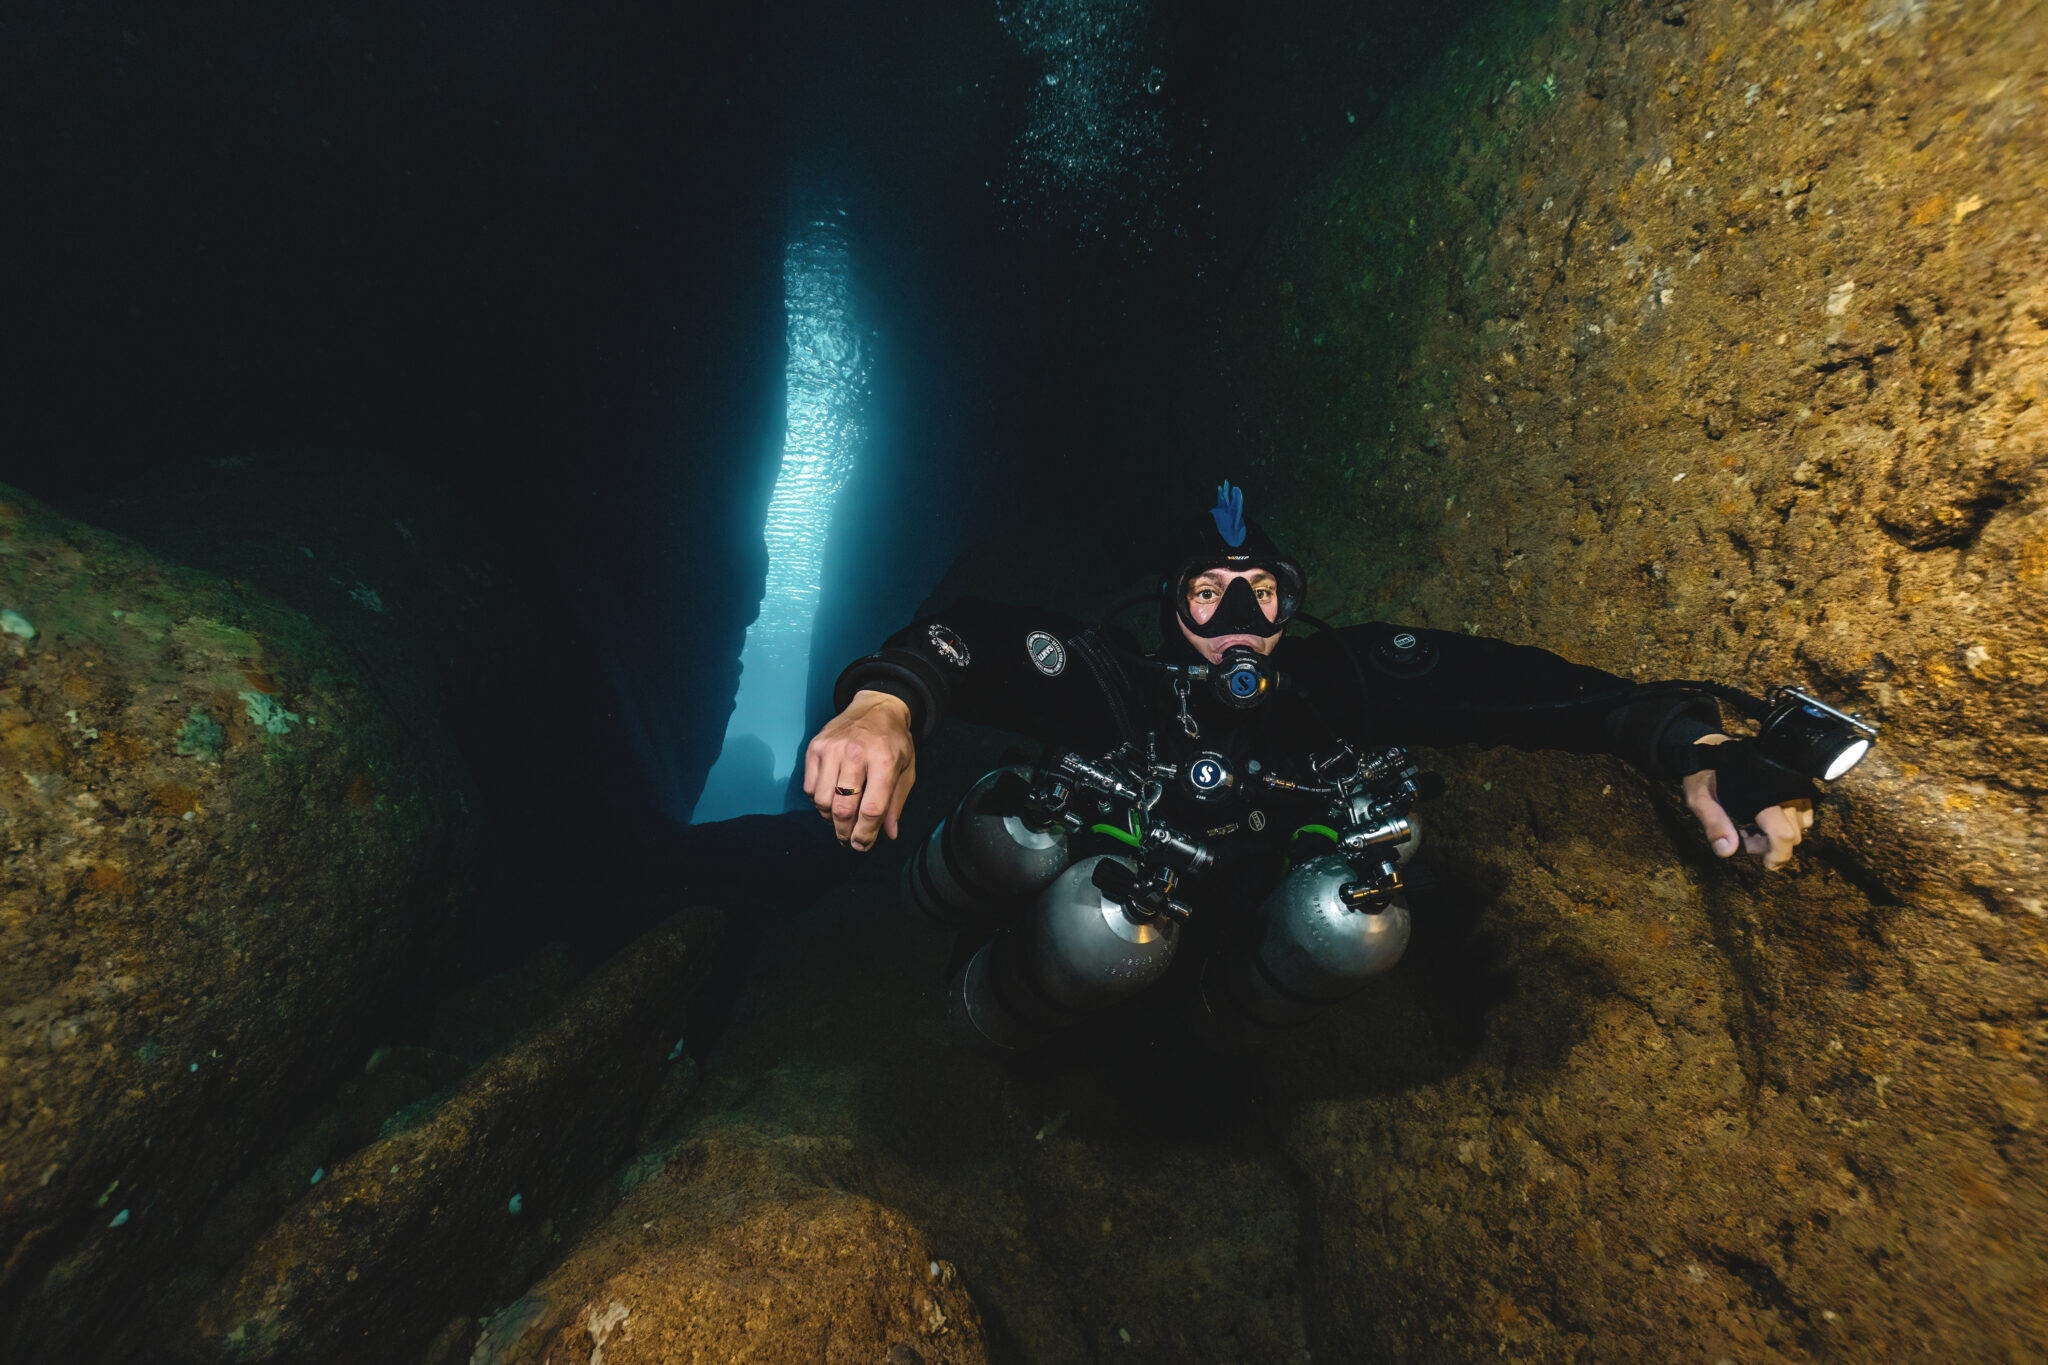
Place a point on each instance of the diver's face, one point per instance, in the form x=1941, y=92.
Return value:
x=1205, y=594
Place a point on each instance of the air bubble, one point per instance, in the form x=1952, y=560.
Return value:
x=1093, y=157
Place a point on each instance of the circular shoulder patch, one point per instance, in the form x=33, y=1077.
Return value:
x=1048, y=655
x=951, y=647
x=1404, y=654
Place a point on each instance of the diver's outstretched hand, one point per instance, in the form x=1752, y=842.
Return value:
x=1778, y=828
x=860, y=768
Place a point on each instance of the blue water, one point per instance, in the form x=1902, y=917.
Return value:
x=831, y=355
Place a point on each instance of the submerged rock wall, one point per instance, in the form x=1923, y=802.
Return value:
x=1694, y=340
x=225, y=857
x=425, y=1220
x=480, y=657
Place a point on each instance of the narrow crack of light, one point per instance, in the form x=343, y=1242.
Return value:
x=828, y=380
x=828, y=376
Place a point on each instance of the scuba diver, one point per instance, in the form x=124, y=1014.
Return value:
x=1245, y=790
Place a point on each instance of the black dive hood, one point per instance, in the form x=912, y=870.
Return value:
x=1226, y=539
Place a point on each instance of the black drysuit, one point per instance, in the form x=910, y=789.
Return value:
x=1091, y=689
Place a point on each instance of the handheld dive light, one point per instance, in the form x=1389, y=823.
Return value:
x=1807, y=735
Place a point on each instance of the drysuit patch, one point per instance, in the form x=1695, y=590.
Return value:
x=1404, y=654
x=1048, y=655
x=951, y=647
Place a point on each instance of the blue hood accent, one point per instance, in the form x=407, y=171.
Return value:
x=1229, y=514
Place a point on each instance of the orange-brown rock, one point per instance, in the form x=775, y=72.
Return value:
x=430, y=1220
x=744, y=1244
x=1695, y=340
x=197, y=929
x=833, y=1278
x=1107, y=1199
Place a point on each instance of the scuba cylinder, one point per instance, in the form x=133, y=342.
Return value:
x=1104, y=929
x=1327, y=934
x=989, y=857
x=1338, y=919
x=1080, y=950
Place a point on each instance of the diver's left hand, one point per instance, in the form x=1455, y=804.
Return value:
x=1778, y=828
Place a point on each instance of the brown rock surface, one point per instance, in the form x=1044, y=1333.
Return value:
x=1102, y=1201
x=727, y=1255
x=431, y=1219
x=223, y=858
x=479, y=655
x=1695, y=340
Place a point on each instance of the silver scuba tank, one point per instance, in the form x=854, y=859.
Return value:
x=1076, y=952
x=983, y=863
x=1318, y=949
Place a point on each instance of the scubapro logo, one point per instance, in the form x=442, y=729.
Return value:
x=1404, y=654
x=1207, y=774
x=1048, y=655
x=951, y=647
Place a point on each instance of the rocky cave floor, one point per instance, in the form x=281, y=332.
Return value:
x=1690, y=339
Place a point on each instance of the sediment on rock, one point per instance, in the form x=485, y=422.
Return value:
x=738, y=1243
x=1696, y=341
x=469, y=1199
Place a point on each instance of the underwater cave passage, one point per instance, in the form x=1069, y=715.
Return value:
x=828, y=379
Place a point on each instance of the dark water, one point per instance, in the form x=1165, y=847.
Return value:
x=534, y=251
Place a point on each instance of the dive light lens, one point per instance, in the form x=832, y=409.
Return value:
x=1847, y=759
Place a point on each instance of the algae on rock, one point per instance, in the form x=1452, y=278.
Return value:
x=198, y=922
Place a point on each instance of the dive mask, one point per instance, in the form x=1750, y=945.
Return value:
x=1239, y=612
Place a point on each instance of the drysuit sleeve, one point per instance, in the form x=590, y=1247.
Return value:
x=1016, y=668
x=1440, y=688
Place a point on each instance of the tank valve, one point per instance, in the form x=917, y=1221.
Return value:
x=1367, y=895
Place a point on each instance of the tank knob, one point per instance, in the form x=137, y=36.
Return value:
x=1365, y=895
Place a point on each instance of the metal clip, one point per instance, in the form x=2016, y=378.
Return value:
x=1868, y=730
x=1187, y=722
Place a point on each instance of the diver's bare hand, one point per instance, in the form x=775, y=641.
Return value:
x=1778, y=828
x=860, y=768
